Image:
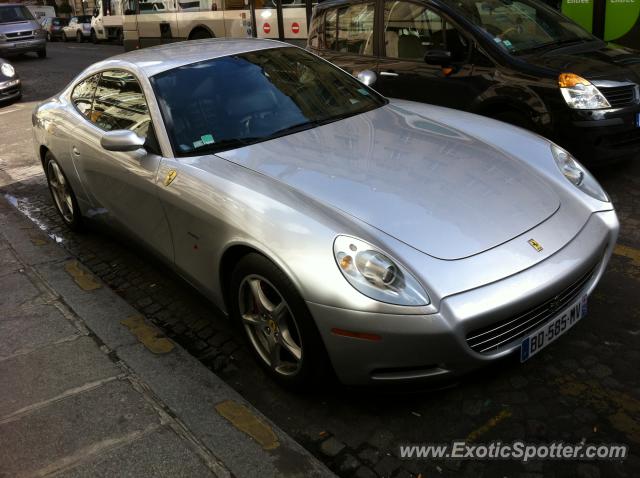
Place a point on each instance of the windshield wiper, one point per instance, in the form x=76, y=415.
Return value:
x=554, y=45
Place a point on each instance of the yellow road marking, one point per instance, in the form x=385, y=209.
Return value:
x=628, y=252
x=148, y=335
x=491, y=423
x=83, y=278
x=36, y=241
x=243, y=419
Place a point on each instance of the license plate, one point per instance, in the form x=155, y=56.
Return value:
x=553, y=329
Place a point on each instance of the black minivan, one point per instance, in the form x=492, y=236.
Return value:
x=519, y=61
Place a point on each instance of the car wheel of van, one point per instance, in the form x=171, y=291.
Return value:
x=94, y=38
x=79, y=37
x=64, y=37
x=42, y=53
x=63, y=196
x=200, y=34
x=120, y=39
x=276, y=322
x=516, y=118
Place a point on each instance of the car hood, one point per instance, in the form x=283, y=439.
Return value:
x=592, y=61
x=21, y=26
x=427, y=184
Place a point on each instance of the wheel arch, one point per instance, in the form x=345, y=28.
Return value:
x=200, y=28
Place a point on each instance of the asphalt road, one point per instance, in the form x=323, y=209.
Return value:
x=584, y=387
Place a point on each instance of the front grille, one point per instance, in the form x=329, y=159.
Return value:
x=619, y=96
x=500, y=335
x=20, y=36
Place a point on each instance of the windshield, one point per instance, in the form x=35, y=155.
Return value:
x=84, y=19
x=14, y=13
x=228, y=102
x=521, y=26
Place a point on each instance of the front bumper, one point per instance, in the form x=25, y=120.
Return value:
x=10, y=92
x=8, y=48
x=601, y=136
x=415, y=348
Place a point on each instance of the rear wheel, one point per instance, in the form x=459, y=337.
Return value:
x=63, y=196
x=280, y=331
x=200, y=34
x=79, y=37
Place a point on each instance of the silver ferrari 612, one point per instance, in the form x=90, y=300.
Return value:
x=390, y=240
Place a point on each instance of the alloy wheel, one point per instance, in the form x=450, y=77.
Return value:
x=270, y=325
x=60, y=191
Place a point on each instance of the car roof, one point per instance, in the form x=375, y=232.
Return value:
x=154, y=60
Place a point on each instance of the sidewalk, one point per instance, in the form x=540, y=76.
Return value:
x=88, y=388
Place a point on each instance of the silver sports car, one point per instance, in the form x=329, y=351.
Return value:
x=390, y=240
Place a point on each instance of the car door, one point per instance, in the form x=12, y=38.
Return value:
x=122, y=185
x=69, y=31
x=409, y=31
x=349, y=36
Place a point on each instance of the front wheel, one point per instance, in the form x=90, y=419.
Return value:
x=280, y=331
x=94, y=38
x=79, y=37
x=63, y=196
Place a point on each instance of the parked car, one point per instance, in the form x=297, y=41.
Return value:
x=518, y=61
x=20, y=32
x=10, y=86
x=78, y=28
x=404, y=241
x=53, y=26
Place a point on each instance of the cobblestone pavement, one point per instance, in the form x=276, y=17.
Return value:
x=584, y=387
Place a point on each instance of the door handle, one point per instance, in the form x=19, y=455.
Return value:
x=388, y=73
x=75, y=151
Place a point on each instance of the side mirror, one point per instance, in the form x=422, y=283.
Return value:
x=438, y=57
x=367, y=77
x=121, y=140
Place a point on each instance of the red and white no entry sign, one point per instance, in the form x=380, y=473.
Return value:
x=295, y=27
x=266, y=27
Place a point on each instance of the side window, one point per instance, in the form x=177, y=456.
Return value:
x=82, y=95
x=120, y=104
x=330, y=24
x=314, y=31
x=411, y=29
x=355, y=29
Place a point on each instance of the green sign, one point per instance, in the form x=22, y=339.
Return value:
x=620, y=17
x=580, y=11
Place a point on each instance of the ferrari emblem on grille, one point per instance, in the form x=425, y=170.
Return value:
x=171, y=175
x=535, y=244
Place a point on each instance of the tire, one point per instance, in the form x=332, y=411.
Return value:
x=64, y=199
x=64, y=37
x=120, y=38
x=94, y=38
x=276, y=323
x=42, y=53
x=79, y=38
x=515, y=118
x=200, y=34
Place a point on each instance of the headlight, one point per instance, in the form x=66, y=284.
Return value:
x=577, y=175
x=7, y=70
x=375, y=275
x=580, y=94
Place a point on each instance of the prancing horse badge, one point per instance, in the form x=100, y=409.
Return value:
x=535, y=244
